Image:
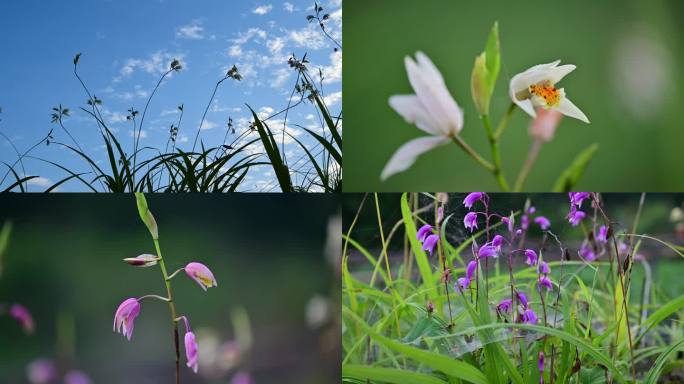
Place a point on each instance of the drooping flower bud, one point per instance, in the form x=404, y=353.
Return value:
x=201, y=274
x=19, y=313
x=125, y=315
x=144, y=260
x=191, y=351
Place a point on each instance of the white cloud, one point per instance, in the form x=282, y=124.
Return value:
x=208, y=125
x=191, y=31
x=276, y=45
x=288, y=7
x=157, y=63
x=143, y=134
x=262, y=9
x=281, y=76
x=307, y=37
x=235, y=51
x=332, y=98
x=333, y=72
x=40, y=182
x=168, y=112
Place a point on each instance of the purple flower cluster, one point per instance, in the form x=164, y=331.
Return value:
x=575, y=216
x=427, y=238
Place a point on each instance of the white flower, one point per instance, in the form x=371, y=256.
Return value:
x=536, y=88
x=432, y=109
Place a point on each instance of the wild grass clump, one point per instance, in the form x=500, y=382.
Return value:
x=512, y=301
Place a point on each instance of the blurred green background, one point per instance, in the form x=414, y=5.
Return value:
x=627, y=81
x=267, y=252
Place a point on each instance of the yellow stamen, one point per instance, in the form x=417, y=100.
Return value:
x=546, y=91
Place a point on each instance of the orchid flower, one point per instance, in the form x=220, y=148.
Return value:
x=470, y=269
x=201, y=274
x=575, y=217
x=504, y=305
x=531, y=257
x=602, y=236
x=22, y=315
x=423, y=232
x=544, y=282
x=540, y=365
x=470, y=221
x=587, y=252
x=461, y=284
x=430, y=243
x=472, y=198
x=536, y=88
x=488, y=250
x=543, y=222
x=529, y=316
x=125, y=317
x=191, y=350
x=522, y=298
x=432, y=109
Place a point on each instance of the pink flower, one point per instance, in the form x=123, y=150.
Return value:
x=509, y=222
x=497, y=242
x=544, y=282
x=602, y=236
x=529, y=316
x=23, y=316
x=522, y=298
x=575, y=217
x=423, y=232
x=41, y=371
x=544, y=268
x=201, y=274
x=125, y=317
x=461, y=284
x=470, y=269
x=430, y=243
x=191, y=351
x=576, y=198
x=472, y=198
x=470, y=221
x=487, y=250
x=540, y=365
x=587, y=252
x=531, y=257
x=543, y=222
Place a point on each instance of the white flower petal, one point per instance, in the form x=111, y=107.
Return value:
x=567, y=108
x=556, y=74
x=432, y=92
x=413, y=111
x=407, y=154
x=527, y=106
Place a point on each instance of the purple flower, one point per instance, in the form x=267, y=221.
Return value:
x=461, y=284
x=19, y=313
x=543, y=222
x=587, y=252
x=470, y=269
x=487, y=250
x=544, y=268
x=540, y=365
x=504, y=305
x=522, y=298
x=529, y=316
x=191, y=350
x=201, y=274
x=125, y=317
x=531, y=257
x=497, y=242
x=470, y=221
x=423, y=232
x=430, y=243
x=76, y=377
x=41, y=371
x=602, y=236
x=576, y=198
x=575, y=217
x=524, y=222
x=531, y=210
x=508, y=222
x=544, y=282
x=472, y=198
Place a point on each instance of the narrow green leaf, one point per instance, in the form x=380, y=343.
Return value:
x=388, y=375
x=571, y=176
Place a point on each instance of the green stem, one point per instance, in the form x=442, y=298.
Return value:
x=496, y=155
x=529, y=162
x=471, y=152
x=172, y=307
x=504, y=121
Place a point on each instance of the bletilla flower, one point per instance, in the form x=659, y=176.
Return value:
x=125, y=317
x=540, y=365
x=201, y=274
x=470, y=221
x=487, y=250
x=432, y=109
x=522, y=298
x=587, y=252
x=544, y=282
x=504, y=305
x=531, y=257
x=543, y=222
x=575, y=217
x=529, y=316
x=423, y=232
x=430, y=243
x=544, y=268
x=19, y=313
x=497, y=242
x=472, y=198
x=461, y=284
x=470, y=269
x=524, y=222
x=144, y=260
x=191, y=351
x=602, y=236
x=536, y=88
x=576, y=198
x=42, y=371
x=509, y=222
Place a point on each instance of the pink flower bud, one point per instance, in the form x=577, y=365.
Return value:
x=191, y=351
x=41, y=371
x=125, y=317
x=201, y=274
x=543, y=127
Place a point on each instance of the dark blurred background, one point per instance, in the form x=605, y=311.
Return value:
x=628, y=82
x=267, y=252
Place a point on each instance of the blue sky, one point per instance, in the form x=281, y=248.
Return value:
x=126, y=45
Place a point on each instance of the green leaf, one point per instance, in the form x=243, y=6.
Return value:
x=654, y=372
x=388, y=375
x=453, y=368
x=486, y=71
x=421, y=258
x=569, y=178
